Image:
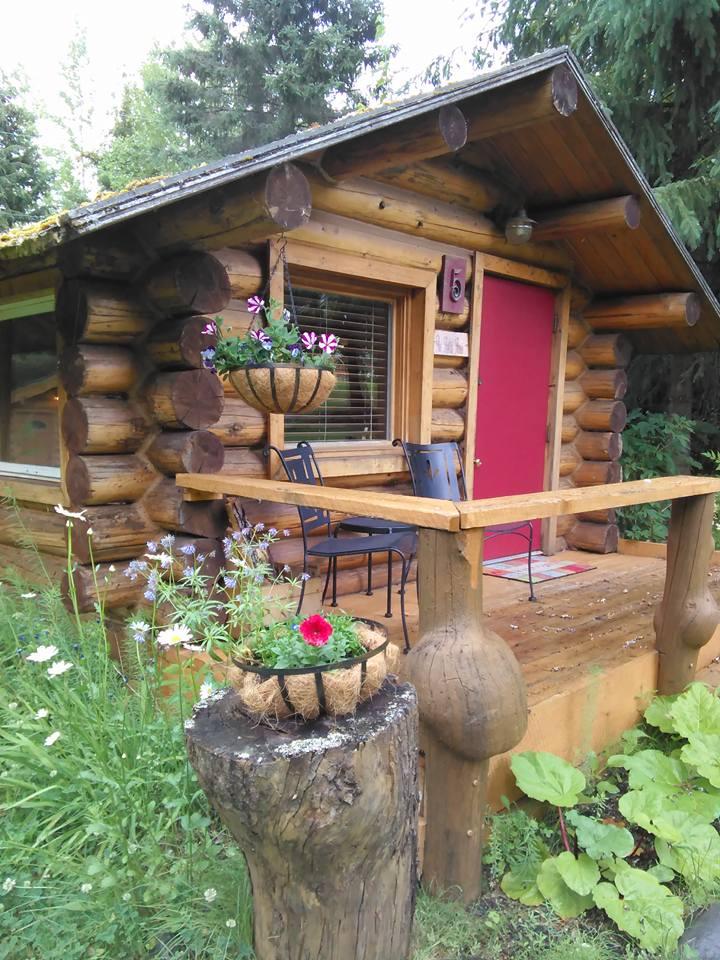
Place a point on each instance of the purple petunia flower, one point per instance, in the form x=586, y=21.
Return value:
x=209, y=328
x=259, y=335
x=309, y=339
x=328, y=343
x=255, y=304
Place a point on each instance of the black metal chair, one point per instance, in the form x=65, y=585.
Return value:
x=436, y=470
x=395, y=540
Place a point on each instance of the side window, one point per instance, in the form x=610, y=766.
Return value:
x=29, y=430
x=359, y=407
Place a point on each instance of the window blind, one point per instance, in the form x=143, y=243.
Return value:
x=358, y=407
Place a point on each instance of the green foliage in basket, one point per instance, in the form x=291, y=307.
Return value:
x=307, y=642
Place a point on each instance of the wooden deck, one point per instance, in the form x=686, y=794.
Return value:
x=587, y=649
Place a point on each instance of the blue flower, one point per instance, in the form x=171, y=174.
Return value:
x=149, y=595
x=272, y=532
x=152, y=546
x=167, y=541
x=188, y=550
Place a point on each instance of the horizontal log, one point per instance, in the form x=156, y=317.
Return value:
x=89, y=368
x=34, y=529
x=646, y=312
x=447, y=425
x=607, y=350
x=532, y=100
x=119, y=532
x=107, y=479
x=569, y=429
x=593, y=472
x=178, y=344
x=244, y=462
x=104, y=585
x=574, y=365
x=239, y=425
x=595, y=537
x=573, y=396
x=570, y=460
x=187, y=399
x=452, y=321
x=599, y=516
x=577, y=331
x=186, y=451
x=195, y=282
x=246, y=271
x=429, y=135
x=449, y=180
x=31, y=565
x=579, y=219
x=119, y=260
x=449, y=389
x=599, y=446
x=102, y=425
x=166, y=507
x=441, y=362
x=565, y=523
x=395, y=209
x=602, y=384
x=605, y=415
x=95, y=311
x=246, y=211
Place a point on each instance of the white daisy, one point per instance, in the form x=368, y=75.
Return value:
x=13, y=705
x=61, y=666
x=210, y=894
x=52, y=738
x=42, y=713
x=138, y=626
x=80, y=515
x=86, y=888
x=27, y=596
x=206, y=689
x=42, y=654
x=231, y=923
x=8, y=885
x=174, y=635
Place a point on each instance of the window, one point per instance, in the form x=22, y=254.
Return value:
x=359, y=406
x=29, y=432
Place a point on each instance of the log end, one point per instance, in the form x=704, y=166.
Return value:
x=692, y=309
x=632, y=213
x=71, y=310
x=74, y=426
x=453, y=126
x=288, y=198
x=564, y=91
x=189, y=283
x=205, y=453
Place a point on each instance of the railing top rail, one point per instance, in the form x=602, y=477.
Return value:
x=443, y=514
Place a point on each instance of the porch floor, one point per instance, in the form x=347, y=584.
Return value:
x=586, y=647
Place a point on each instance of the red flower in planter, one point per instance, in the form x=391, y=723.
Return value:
x=316, y=630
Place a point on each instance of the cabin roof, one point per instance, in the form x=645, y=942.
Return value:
x=558, y=162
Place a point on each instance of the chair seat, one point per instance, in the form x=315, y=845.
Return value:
x=359, y=546
x=373, y=525
x=508, y=527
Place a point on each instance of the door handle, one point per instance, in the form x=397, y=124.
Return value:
x=477, y=462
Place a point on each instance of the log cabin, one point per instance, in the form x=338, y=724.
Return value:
x=367, y=223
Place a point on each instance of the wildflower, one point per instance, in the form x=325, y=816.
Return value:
x=174, y=635
x=149, y=595
x=86, y=888
x=8, y=884
x=90, y=532
x=111, y=568
x=316, y=630
x=255, y=304
x=272, y=532
x=209, y=329
x=210, y=894
x=80, y=515
x=286, y=533
x=42, y=654
x=328, y=343
x=305, y=576
x=27, y=596
x=126, y=897
x=138, y=626
x=42, y=713
x=188, y=549
x=12, y=706
x=52, y=738
x=309, y=339
x=52, y=774
x=58, y=668
x=188, y=572
x=230, y=582
x=231, y=923
x=259, y=527
x=167, y=541
x=152, y=546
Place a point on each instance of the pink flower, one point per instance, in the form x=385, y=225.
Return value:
x=209, y=328
x=329, y=343
x=259, y=335
x=309, y=340
x=255, y=304
x=316, y=630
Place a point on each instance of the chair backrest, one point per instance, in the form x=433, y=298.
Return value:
x=436, y=470
x=301, y=466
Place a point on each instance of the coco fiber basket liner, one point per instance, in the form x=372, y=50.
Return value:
x=283, y=387
x=334, y=688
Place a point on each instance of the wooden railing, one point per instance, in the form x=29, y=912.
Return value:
x=471, y=691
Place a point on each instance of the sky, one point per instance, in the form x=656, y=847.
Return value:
x=120, y=37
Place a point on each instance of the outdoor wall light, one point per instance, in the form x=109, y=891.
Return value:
x=518, y=229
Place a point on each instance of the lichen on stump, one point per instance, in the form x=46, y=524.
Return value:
x=326, y=815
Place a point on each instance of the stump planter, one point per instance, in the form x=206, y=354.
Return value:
x=283, y=387
x=308, y=692
x=326, y=815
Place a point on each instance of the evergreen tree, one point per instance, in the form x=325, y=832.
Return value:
x=266, y=68
x=24, y=178
x=656, y=66
x=75, y=164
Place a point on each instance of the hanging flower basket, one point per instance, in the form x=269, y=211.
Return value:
x=336, y=689
x=283, y=387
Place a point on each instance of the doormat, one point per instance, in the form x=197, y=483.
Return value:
x=543, y=568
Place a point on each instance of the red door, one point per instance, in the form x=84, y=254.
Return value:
x=512, y=399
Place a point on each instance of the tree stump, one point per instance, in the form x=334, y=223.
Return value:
x=326, y=815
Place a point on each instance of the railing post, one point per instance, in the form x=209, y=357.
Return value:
x=687, y=615
x=472, y=705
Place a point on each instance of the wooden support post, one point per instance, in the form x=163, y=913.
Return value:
x=472, y=705
x=687, y=615
x=332, y=858
x=276, y=291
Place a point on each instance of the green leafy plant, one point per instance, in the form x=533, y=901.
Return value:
x=668, y=793
x=306, y=642
x=277, y=341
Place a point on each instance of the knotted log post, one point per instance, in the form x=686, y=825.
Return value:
x=327, y=820
x=472, y=703
x=687, y=615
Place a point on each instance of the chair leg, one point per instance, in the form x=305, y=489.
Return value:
x=532, y=596
x=327, y=581
x=403, y=580
x=369, y=591
x=303, y=581
x=334, y=581
x=388, y=603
